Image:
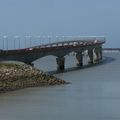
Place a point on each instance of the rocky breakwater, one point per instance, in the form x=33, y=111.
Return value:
x=18, y=76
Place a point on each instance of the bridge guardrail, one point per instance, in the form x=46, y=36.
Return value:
x=17, y=42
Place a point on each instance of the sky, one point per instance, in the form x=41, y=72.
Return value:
x=62, y=17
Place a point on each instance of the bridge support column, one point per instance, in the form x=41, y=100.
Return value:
x=79, y=58
x=100, y=53
x=97, y=54
x=61, y=63
x=90, y=54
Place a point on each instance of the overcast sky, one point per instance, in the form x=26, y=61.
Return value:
x=62, y=17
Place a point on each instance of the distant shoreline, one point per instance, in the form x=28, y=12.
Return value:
x=111, y=49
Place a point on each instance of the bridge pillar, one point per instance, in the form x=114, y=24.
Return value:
x=100, y=53
x=61, y=63
x=90, y=54
x=79, y=58
x=97, y=54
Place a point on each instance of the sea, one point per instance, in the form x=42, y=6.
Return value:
x=93, y=93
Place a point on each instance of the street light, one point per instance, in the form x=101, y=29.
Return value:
x=57, y=38
x=44, y=39
x=63, y=38
x=5, y=37
x=29, y=37
x=16, y=37
x=49, y=39
x=39, y=39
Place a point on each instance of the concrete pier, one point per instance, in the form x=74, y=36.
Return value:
x=90, y=54
x=97, y=53
x=60, y=63
x=100, y=53
x=79, y=58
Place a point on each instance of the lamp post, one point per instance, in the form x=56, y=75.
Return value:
x=30, y=40
x=57, y=38
x=49, y=39
x=39, y=39
x=5, y=37
x=15, y=38
x=29, y=37
x=63, y=38
x=25, y=41
x=43, y=40
x=3, y=43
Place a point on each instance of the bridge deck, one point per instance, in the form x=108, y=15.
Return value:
x=59, y=49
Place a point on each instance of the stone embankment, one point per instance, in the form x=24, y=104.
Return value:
x=18, y=76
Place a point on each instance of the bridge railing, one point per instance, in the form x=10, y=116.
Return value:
x=21, y=42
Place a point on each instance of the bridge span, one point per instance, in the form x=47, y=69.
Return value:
x=93, y=48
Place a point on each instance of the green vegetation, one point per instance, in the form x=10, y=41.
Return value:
x=10, y=65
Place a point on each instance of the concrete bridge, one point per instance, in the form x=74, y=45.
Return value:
x=93, y=48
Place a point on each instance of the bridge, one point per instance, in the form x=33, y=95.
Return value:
x=93, y=48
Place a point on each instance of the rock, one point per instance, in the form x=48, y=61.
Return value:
x=13, y=77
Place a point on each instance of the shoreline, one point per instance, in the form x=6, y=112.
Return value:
x=111, y=49
x=18, y=76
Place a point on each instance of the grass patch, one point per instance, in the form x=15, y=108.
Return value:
x=10, y=65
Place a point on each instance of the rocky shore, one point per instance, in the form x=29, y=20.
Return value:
x=18, y=76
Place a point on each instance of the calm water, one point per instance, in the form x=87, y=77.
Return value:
x=93, y=95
